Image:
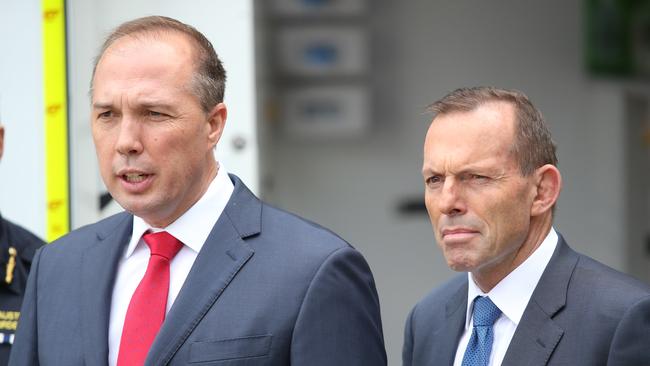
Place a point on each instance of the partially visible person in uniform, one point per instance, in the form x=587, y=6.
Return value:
x=17, y=248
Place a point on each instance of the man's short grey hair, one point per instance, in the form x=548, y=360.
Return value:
x=209, y=80
x=532, y=147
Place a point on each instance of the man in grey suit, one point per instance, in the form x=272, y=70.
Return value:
x=197, y=270
x=527, y=298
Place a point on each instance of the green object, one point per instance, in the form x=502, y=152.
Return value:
x=609, y=50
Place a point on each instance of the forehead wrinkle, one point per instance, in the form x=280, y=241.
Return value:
x=456, y=165
x=145, y=96
x=102, y=105
x=472, y=154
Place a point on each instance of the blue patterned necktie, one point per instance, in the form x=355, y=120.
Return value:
x=480, y=343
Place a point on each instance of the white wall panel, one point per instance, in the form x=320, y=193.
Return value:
x=22, y=169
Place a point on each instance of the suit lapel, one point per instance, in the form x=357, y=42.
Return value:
x=98, y=267
x=446, y=338
x=222, y=256
x=537, y=335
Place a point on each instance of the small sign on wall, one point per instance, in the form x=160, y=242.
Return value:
x=318, y=7
x=322, y=51
x=324, y=112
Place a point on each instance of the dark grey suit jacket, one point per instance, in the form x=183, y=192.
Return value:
x=581, y=313
x=267, y=288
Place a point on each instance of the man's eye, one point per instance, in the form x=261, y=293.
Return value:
x=104, y=115
x=478, y=178
x=156, y=114
x=433, y=180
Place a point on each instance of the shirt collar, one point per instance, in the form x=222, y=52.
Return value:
x=511, y=294
x=193, y=227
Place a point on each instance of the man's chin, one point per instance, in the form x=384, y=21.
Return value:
x=459, y=262
x=460, y=266
x=134, y=206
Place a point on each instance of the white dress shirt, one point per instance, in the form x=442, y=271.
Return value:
x=192, y=228
x=511, y=296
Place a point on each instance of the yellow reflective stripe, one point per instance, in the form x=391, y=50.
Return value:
x=56, y=119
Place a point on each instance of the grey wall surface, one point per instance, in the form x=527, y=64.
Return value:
x=422, y=50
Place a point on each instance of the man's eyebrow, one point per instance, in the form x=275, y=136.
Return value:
x=429, y=171
x=142, y=105
x=482, y=169
x=155, y=104
x=469, y=168
x=102, y=105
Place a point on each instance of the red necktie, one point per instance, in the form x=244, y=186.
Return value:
x=146, y=310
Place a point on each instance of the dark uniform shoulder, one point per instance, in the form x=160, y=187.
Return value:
x=25, y=242
x=17, y=249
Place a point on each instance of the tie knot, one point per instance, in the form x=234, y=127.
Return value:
x=485, y=312
x=163, y=244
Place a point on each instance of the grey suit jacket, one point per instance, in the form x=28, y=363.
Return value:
x=581, y=313
x=267, y=288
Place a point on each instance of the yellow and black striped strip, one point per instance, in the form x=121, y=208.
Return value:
x=56, y=119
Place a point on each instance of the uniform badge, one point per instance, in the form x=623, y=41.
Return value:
x=11, y=265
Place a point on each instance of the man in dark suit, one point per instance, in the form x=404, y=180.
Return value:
x=527, y=298
x=197, y=270
x=17, y=248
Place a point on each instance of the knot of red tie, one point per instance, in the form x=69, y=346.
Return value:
x=163, y=244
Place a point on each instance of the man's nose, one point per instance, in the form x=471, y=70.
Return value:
x=129, y=140
x=451, y=202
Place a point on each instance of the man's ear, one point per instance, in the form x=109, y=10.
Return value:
x=217, y=121
x=2, y=140
x=548, y=185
